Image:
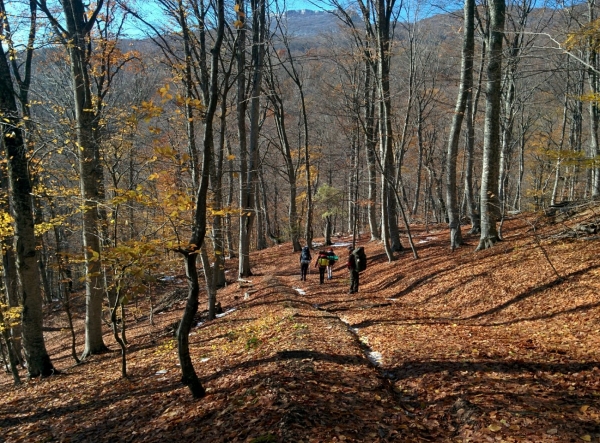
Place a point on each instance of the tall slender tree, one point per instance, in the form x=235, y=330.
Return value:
x=490, y=204
x=11, y=126
x=74, y=35
x=466, y=84
x=188, y=373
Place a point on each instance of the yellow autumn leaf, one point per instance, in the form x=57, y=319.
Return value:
x=494, y=427
x=377, y=397
x=584, y=408
x=586, y=437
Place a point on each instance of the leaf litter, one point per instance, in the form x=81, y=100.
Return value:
x=496, y=345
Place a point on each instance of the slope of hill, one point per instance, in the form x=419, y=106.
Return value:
x=498, y=345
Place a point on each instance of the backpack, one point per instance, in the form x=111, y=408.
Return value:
x=323, y=261
x=360, y=258
x=305, y=254
x=332, y=258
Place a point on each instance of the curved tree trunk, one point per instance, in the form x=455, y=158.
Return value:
x=188, y=374
x=466, y=83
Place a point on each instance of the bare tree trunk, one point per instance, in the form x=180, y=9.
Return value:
x=9, y=350
x=466, y=85
x=188, y=374
x=38, y=360
x=560, y=147
x=242, y=106
x=491, y=149
x=209, y=279
x=370, y=147
x=74, y=39
x=594, y=109
x=11, y=290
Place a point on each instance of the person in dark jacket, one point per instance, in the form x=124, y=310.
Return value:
x=305, y=259
x=353, y=272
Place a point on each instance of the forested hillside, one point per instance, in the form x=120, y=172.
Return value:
x=497, y=345
x=146, y=140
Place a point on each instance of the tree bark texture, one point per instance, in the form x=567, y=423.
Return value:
x=466, y=84
x=490, y=204
x=38, y=360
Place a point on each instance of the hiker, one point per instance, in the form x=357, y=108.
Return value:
x=332, y=259
x=322, y=262
x=353, y=271
x=305, y=259
x=357, y=262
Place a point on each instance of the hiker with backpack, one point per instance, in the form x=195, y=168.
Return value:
x=305, y=259
x=332, y=259
x=357, y=262
x=322, y=262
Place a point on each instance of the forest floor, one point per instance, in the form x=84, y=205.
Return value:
x=501, y=345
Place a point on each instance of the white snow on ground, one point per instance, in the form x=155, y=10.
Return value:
x=427, y=239
x=229, y=311
x=300, y=291
x=341, y=244
x=374, y=357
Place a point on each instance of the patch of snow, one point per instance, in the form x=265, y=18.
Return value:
x=229, y=311
x=161, y=372
x=374, y=357
x=300, y=291
x=341, y=244
x=204, y=360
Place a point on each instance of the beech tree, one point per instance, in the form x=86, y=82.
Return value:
x=466, y=83
x=249, y=148
x=490, y=204
x=74, y=35
x=15, y=149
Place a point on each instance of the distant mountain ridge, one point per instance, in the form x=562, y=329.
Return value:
x=307, y=23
